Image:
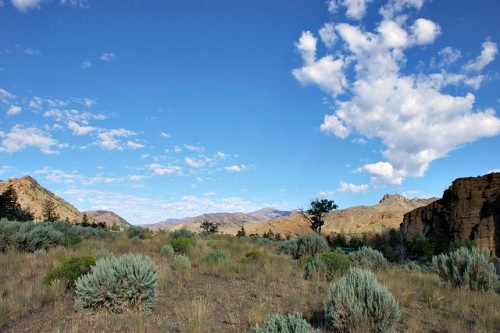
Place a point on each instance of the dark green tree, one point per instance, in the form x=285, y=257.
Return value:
x=241, y=233
x=317, y=211
x=10, y=207
x=49, y=211
x=210, y=227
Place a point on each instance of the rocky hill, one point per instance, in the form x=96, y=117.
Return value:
x=108, y=218
x=468, y=210
x=31, y=196
x=388, y=213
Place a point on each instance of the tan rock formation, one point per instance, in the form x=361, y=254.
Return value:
x=469, y=210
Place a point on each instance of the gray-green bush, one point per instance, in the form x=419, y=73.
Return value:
x=359, y=303
x=327, y=264
x=217, y=256
x=113, y=284
x=181, y=262
x=291, y=323
x=167, y=251
x=309, y=244
x=182, y=233
x=412, y=266
x=368, y=258
x=466, y=268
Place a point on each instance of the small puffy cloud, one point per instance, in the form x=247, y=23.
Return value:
x=235, y=168
x=395, y=7
x=30, y=51
x=165, y=135
x=352, y=188
x=487, y=55
x=194, y=148
x=161, y=170
x=14, y=110
x=5, y=96
x=136, y=178
x=75, y=3
x=194, y=163
x=383, y=172
x=80, y=130
x=108, y=57
x=333, y=124
x=424, y=31
x=26, y=5
x=356, y=9
x=221, y=155
x=86, y=64
x=20, y=138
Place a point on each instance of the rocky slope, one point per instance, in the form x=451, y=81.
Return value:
x=469, y=210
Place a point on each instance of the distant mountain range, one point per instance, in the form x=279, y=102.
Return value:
x=388, y=213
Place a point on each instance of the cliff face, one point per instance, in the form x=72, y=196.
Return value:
x=469, y=210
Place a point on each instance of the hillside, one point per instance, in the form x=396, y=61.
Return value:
x=388, y=213
x=108, y=218
x=32, y=195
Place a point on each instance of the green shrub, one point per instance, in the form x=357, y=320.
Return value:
x=70, y=270
x=181, y=262
x=253, y=256
x=182, y=233
x=113, y=284
x=421, y=247
x=167, y=251
x=103, y=253
x=359, y=303
x=182, y=244
x=217, y=256
x=368, y=258
x=412, y=266
x=134, y=231
x=291, y=323
x=466, y=268
x=327, y=264
x=309, y=244
x=136, y=240
x=43, y=236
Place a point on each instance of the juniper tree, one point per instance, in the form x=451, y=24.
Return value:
x=317, y=211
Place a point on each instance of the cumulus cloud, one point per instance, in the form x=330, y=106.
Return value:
x=108, y=139
x=5, y=96
x=80, y=130
x=194, y=162
x=20, y=138
x=14, y=109
x=348, y=187
x=415, y=119
x=86, y=64
x=26, y=5
x=449, y=56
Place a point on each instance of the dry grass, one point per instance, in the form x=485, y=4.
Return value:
x=230, y=296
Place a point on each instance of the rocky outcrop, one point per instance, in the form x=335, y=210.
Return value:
x=469, y=210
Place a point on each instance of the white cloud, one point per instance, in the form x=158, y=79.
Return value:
x=411, y=114
x=14, y=110
x=348, y=187
x=449, y=56
x=108, y=139
x=487, y=55
x=20, y=138
x=80, y=130
x=235, y=168
x=194, y=148
x=194, y=163
x=328, y=35
x=165, y=170
x=108, y=57
x=75, y=3
x=356, y=9
x=136, y=178
x=221, y=155
x=5, y=96
x=86, y=64
x=135, y=145
x=165, y=135
x=26, y=5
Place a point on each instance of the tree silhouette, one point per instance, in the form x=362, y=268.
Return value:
x=10, y=207
x=49, y=211
x=317, y=211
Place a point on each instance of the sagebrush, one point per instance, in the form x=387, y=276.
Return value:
x=291, y=323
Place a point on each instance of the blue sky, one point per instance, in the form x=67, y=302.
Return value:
x=168, y=109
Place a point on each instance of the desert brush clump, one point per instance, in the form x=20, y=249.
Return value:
x=466, y=268
x=359, y=303
x=291, y=323
x=217, y=256
x=182, y=244
x=181, y=262
x=309, y=244
x=412, y=266
x=114, y=284
x=70, y=270
x=103, y=253
x=135, y=231
x=182, y=233
x=252, y=256
x=327, y=264
x=368, y=258
x=167, y=251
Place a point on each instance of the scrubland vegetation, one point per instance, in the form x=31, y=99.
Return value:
x=57, y=277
